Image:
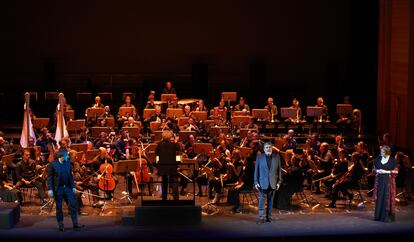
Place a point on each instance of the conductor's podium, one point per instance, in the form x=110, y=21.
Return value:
x=9, y=215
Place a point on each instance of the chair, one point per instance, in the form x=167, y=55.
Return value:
x=249, y=196
x=356, y=192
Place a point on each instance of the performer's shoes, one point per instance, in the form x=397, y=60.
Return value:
x=351, y=197
x=61, y=228
x=269, y=219
x=78, y=227
x=200, y=194
x=261, y=221
x=83, y=213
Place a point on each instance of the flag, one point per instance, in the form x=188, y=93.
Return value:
x=27, y=124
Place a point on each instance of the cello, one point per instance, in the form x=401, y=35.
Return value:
x=106, y=179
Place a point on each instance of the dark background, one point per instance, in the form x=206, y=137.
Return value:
x=283, y=49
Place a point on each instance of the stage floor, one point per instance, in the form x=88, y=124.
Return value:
x=303, y=221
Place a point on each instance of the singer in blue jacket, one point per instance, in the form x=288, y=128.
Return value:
x=61, y=185
x=267, y=179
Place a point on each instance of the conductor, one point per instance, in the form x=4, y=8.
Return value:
x=167, y=165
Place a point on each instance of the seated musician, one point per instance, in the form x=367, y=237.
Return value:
x=150, y=104
x=200, y=106
x=91, y=121
x=242, y=106
x=295, y=105
x=46, y=143
x=64, y=147
x=340, y=168
x=325, y=165
x=157, y=116
x=8, y=192
x=5, y=147
x=27, y=174
x=209, y=173
x=291, y=141
x=271, y=107
x=191, y=126
x=102, y=141
x=293, y=178
x=100, y=159
x=349, y=180
x=168, y=89
x=79, y=175
x=345, y=118
x=234, y=171
x=106, y=113
x=127, y=103
x=131, y=123
x=187, y=111
x=84, y=136
x=325, y=115
x=121, y=144
x=222, y=105
x=218, y=119
x=66, y=107
x=252, y=125
x=246, y=181
x=174, y=103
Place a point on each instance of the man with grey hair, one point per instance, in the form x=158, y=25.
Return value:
x=267, y=179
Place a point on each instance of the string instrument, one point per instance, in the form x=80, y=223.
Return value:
x=106, y=179
x=142, y=172
x=27, y=107
x=343, y=178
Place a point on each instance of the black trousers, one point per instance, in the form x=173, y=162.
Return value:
x=171, y=180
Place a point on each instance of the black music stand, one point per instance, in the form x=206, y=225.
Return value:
x=125, y=166
x=288, y=113
x=229, y=97
x=132, y=131
x=205, y=148
x=260, y=114
x=174, y=112
x=168, y=97
x=75, y=125
x=39, y=123
x=201, y=115
x=110, y=122
x=126, y=111
x=94, y=112
x=344, y=109
x=148, y=113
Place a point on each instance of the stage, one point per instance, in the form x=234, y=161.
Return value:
x=301, y=222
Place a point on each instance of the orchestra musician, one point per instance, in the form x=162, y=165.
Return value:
x=79, y=174
x=349, y=180
x=272, y=108
x=27, y=174
x=340, y=167
x=150, y=103
x=295, y=105
x=324, y=165
x=102, y=158
x=200, y=106
x=157, y=116
x=8, y=192
x=47, y=143
x=242, y=106
x=174, y=103
x=168, y=89
x=325, y=115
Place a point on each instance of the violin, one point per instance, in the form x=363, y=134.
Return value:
x=106, y=179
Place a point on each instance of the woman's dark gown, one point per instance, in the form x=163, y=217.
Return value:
x=385, y=191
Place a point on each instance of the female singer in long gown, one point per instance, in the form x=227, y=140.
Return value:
x=384, y=189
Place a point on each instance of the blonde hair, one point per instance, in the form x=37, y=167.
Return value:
x=166, y=135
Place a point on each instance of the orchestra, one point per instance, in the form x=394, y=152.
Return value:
x=316, y=165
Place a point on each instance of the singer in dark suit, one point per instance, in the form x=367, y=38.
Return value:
x=167, y=165
x=267, y=179
x=61, y=185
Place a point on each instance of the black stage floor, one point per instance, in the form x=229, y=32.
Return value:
x=304, y=222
